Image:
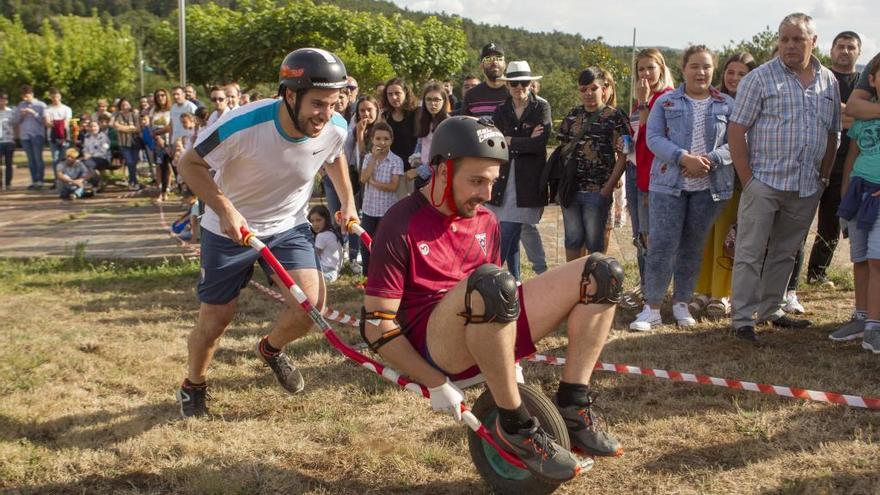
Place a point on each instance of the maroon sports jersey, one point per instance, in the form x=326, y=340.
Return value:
x=418, y=255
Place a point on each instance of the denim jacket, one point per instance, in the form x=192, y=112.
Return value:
x=669, y=137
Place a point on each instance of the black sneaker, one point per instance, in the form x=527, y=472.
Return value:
x=192, y=401
x=786, y=321
x=539, y=452
x=746, y=333
x=288, y=376
x=584, y=432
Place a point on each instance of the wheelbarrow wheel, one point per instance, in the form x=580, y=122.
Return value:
x=501, y=475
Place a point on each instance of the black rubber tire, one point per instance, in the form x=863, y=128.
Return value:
x=540, y=407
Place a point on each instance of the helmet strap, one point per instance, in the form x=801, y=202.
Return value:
x=293, y=112
x=447, y=192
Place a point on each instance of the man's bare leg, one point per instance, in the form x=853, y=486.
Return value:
x=293, y=322
x=203, y=340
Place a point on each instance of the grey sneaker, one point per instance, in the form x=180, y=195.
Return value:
x=539, y=452
x=849, y=331
x=871, y=340
x=288, y=376
x=584, y=432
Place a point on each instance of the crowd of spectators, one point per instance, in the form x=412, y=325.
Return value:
x=721, y=184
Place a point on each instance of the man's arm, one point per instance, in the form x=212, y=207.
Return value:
x=196, y=173
x=399, y=352
x=860, y=107
x=739, y=151
x=830, y=154
x=338, y=173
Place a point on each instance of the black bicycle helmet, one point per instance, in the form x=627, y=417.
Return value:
x=312, y=68
x=459, y=137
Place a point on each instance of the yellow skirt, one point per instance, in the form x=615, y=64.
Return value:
x=716, y=271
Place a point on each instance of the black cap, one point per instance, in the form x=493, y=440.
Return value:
x=312, y=68
x=491, y=49
x=460, y=136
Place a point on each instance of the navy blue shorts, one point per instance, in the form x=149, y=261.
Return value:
x=227, y=267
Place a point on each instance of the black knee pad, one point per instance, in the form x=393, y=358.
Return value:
x=499, y=292
x=609, y=279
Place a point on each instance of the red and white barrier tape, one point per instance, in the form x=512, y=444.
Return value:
x=799, y=393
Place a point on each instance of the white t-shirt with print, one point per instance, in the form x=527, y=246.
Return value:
x=266, y=174
x=327, y=243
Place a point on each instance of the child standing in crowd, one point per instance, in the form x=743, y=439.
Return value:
x=691, y=180
x=716, y=272
x=328, y=242
x=860, y=207
x=589, y=179
x=435, y=109
x=653, y=80
x=380, y=178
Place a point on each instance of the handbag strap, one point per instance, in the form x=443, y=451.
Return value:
x=590, y=119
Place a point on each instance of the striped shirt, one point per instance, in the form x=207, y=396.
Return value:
x=481, y=100
x=377, y=201
x=788, y=124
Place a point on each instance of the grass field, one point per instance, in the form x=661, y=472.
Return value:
x=92, y=351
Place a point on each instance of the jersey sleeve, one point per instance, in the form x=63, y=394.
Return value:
x=389, y=260
x=214, y=147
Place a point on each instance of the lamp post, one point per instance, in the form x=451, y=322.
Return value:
x=181, y=6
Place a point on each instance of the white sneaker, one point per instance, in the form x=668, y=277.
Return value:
x=792, y=305
x=646, y=320
x=683, y=315
x=356, y=268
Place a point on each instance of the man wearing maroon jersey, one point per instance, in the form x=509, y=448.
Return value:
x=436, y=279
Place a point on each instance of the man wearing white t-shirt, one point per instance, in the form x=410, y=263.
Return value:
x=218, y=98
x=57, y=119
x=264, y=158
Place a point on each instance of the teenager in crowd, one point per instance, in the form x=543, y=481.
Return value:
x=434, y=109
x=399, y=112
x=691, y=180
x=589, y=178
x=716, y=272
x=160, y=119
x=57, y=118
x=653, y=79
x=517, y=199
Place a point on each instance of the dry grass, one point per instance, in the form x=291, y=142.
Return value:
x=91, y=354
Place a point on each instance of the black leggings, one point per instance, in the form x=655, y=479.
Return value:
x=165, y=168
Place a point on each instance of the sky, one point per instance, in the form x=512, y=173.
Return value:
x=672, y=23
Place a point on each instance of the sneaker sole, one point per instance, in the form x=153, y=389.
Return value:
x=847, y=338
x=652, y=328
x=686, y=324
x=869, y=347
x=583, y=453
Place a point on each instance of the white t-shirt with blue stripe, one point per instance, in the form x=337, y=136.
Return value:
x=266, y=174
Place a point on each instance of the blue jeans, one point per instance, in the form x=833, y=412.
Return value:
x=57, y=152
x=33, y=148
x=679, y=226
x=66, y=191
x=6, y=151
x=130, y=156
x=531, y=241
x=510, y=235
x=632, y=204
x=334, y=205
x=585, y=221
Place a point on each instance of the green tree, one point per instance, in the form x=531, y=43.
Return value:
x=559, y=88
x=248, y=44
x=81, y=56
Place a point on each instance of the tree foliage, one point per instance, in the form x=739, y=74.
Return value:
x=249, y=43
x=81, y=56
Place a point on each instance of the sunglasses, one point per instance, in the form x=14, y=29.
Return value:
x=218, y=99
x=524, y=84
x=490, y=59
